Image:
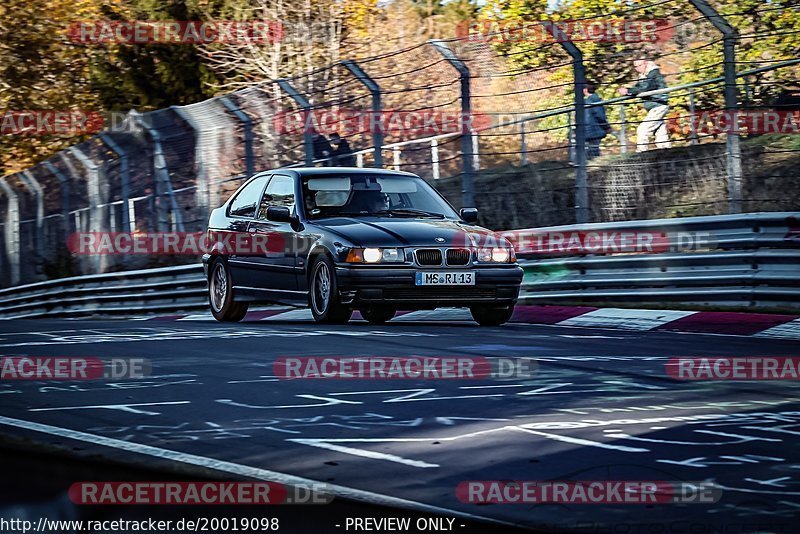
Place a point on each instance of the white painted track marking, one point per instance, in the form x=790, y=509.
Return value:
x=440, y=314
x=790, y=330
x=242, y=470
x=303, y=314
x=626, y=319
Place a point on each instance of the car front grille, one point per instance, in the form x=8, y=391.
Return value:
x=457, y=256
x=429, y=256
x=439, y=293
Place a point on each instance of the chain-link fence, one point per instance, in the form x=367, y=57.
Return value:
x=503, y=124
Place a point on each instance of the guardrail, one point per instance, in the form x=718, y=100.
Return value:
x=742, y=261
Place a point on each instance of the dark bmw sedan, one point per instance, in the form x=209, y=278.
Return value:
x=345, y=239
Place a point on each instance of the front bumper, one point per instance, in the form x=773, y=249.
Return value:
x=394, y=285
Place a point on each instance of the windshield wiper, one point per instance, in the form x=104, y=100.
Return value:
x=409, y=211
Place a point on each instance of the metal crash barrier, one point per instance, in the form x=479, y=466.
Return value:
x=733, y=261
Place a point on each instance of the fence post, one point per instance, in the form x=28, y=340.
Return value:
x=733, y=152
x=33, y=185
x=247, y=124
x=96, y=219
x=623, y=130
x=396, y=157
x=308, y=140
x=124, y=178
x=579, y=74
x=160, y=172
x=375, y=123
x=65, y=194
x=467, y=158
x=435, y=158
x=96, y=222
x=11, y=229
x=523, y=146
x=692, y=125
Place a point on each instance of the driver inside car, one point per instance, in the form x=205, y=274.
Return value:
x=369, y=201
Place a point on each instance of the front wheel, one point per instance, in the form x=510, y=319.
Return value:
x=220, y=295
x=378, y=314
x=491, y=315
x=323, y=297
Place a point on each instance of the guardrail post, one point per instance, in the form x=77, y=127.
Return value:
x=65, y=194
x=733, y=152
x=308, y=140
x=579, y=74
x=467, y=158
x=247, y=124
x=124, y=178
x=375, y=123
x=11, y=230
x=36, y=189
x=160, y=173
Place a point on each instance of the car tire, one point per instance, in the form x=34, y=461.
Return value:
x=378, y=314
x=491, y=315
x=220, y=294
x=323, y=295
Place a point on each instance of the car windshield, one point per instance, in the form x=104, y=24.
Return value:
x=389, y=195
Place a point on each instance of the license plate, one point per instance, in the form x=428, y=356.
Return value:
x=438, y=278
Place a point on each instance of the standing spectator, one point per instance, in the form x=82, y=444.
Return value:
x=597, y=126
x=322, y=148
x=342, y=154
x=657, y=106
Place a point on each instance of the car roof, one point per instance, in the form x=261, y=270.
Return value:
x=322, y=171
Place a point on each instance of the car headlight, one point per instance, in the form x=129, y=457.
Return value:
x=375, y=255
x=496, y=255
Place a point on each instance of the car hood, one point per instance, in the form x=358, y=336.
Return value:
x=398, y=232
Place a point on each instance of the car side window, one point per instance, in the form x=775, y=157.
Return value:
x=280, y=192
x=245, y=201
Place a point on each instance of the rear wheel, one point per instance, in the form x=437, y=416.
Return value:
x=220, y=294
x=323, y=297
x=491, y=315
x=378, y=314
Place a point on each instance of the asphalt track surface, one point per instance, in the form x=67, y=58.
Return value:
x=601, y=407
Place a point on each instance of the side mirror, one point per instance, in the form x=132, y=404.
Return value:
x=470, y=215
x=279, y=214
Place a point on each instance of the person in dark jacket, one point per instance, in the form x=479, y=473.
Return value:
x=342, y=154
x=657, y=106
x=322, y=148
x=597, y=126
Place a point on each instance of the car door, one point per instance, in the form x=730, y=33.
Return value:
x=241, y=211
x=276, y=266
